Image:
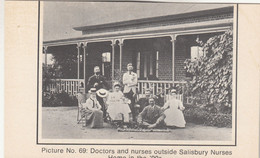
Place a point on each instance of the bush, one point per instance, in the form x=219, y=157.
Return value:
x=199, y=115
x=212, y=73
x=58, y=99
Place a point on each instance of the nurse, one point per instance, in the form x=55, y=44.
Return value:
x=118, y=108
x=173, y=111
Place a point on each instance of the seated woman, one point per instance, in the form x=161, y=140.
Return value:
x=117, y=105
x=173, y=111
x=92, y=111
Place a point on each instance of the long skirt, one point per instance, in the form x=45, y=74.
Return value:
x=94, y=118
x=174, y=117
x=116, y=110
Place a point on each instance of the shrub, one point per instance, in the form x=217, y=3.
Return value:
x=200, y=115
x=212, y=73
x=58, y=99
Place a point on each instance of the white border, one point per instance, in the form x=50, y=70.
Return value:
x=136, y=141
x=2, y=78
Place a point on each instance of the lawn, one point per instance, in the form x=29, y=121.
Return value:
x=61, y=123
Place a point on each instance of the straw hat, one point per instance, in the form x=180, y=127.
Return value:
x=102, y=93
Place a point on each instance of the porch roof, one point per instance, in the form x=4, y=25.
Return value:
x=148, y=25
x=158, y=19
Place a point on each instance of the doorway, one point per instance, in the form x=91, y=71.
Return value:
x=146, y=64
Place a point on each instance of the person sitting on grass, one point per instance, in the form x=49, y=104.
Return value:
x=143, y=102
x=92, y=111
x=152, y=116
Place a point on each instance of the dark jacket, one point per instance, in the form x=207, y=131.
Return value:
x=151, y=114
x=97, y=82
x=143, y=102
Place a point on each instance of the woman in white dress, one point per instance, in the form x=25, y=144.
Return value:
x=173, y=110
x=117, y=106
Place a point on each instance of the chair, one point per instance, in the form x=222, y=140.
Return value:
x=177, y=96
x=81, y=99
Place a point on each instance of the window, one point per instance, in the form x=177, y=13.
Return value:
x=50, y=59
x=106, y=57
x=157, y=64
x=196, y=52
x=138, y=64
x=147, y=65
x=106, y=64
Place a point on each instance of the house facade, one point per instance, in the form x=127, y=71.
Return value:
x=156, y=46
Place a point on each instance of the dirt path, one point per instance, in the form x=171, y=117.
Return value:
x=60, y=123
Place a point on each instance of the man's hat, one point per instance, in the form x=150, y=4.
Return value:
x=102, y=93
x=92, y=90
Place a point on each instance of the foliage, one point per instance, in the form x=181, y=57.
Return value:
x=199, y=115
x=47, y=75
x=58, y=99
x=118, y=77
x=65, y=65
x=50, y=72
x=212, y=73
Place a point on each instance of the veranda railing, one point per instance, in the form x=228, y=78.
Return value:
x=70, y=86
x=158, y=87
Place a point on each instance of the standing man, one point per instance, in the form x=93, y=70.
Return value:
x=98, y=81
x=130, y=83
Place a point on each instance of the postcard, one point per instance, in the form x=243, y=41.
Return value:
x=131, y=79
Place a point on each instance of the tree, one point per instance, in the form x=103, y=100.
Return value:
x=65, y=65
x=212, y=73
x=48, y=73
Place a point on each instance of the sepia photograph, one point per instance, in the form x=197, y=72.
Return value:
x=137, y=73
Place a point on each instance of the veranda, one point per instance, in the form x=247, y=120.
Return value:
x=156, y=46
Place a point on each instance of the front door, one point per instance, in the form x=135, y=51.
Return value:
x=146, y=63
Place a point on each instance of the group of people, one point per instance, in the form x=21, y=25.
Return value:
x=118, y=105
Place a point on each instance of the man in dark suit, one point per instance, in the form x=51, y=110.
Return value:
x=144, y=101
x=98, y=81
x=152, y=116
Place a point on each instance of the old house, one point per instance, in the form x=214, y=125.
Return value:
x=157, y=47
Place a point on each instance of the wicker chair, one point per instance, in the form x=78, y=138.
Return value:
x=81, y=99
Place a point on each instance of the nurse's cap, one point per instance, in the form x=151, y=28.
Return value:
x=129, y=64
x=173, y=90
x=117, y=84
